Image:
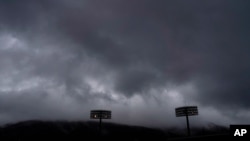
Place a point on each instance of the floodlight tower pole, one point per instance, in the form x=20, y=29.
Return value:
x=188, y=128
x=100, y=125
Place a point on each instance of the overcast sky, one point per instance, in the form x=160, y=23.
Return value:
x=139, y=58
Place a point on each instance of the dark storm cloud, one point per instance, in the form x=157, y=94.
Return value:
x=23, y=16
x=131, y=34
x=183, y=41
x=114, y=50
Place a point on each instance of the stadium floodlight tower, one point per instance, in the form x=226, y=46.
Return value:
x=100, y=114
x=186, y=111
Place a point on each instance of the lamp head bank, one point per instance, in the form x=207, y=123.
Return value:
x=100, y=114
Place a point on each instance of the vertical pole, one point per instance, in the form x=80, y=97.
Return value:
x=188, y=129
x=100, y=125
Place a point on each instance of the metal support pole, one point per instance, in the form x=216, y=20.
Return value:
x=188, y=129
x=100, y=125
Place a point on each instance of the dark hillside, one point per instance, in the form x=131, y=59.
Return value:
x=68, y=131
